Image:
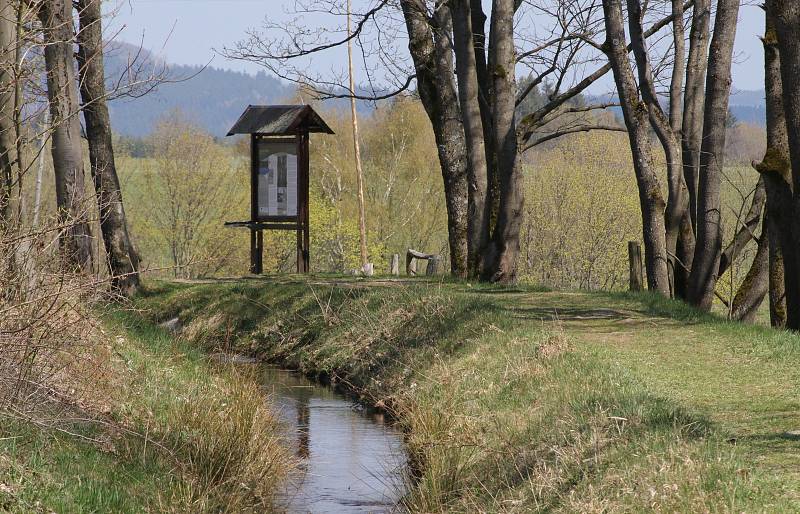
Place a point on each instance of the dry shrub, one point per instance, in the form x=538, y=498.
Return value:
x=46, y=327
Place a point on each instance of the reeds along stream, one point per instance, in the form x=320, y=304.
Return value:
x=352, y=459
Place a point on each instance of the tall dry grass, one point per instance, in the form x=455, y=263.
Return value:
x=67, y=369
x=228, y=436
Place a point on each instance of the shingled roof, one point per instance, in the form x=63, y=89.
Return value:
x=279, y=120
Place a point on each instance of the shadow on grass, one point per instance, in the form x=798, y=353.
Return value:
x=567, y=314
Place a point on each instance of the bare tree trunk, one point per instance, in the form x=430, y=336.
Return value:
x=636, y=115
x=667, y=128
x=680, y=231
x=433, y=63
x=468, y=92
x=362, y=221
x=692, y=131
x=694, y=100
x=8, y=154
x=37, y=196
x=777, y=275
x=503, y=251
x=485, y=97
x=703, y=277
x=754, y=288
x=786, y=15
x=777, y=175
x=123, y=262
x=73, y=209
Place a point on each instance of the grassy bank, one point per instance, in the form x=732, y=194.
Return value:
x=147, y=424
x=523, y=399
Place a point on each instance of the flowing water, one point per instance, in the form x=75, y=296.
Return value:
x=352, y=459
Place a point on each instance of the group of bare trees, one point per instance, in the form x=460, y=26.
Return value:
x=59, y=44
x=685, y=251
x=671, y=63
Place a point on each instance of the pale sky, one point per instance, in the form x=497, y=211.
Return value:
x=188, y=31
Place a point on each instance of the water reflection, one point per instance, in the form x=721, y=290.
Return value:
x=352, y=460
x=302, y=402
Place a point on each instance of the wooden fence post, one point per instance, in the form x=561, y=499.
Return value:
x=394, y=265
x=635, y=265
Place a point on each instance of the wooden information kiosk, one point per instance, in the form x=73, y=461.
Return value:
x=279, y=175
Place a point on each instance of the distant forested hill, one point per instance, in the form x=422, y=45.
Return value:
x=749, y=107
x=212, y=97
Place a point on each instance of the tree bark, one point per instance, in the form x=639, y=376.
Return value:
x=691, y=141
x=485, y=96
x=667, y=128
x=774, y=168
x=786, y=16
x=123, y=262
x=636, y=115
x=703, y=277
x=694, y=100
x=468, y=93
x=433, y=63
x=755, y=285
x=7, y=130
x=73, y=208
x=362, y=216
x=501, y=255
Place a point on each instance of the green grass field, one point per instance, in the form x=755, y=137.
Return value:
x=523, y=399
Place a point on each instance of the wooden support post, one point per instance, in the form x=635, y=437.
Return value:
x=255, y=261
x=300, y=261
x=256, y=243
x=306, y=207
x=635, y=265
x=259, y=252
x=394, y=265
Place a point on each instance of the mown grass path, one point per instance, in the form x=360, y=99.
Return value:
x=746, y=379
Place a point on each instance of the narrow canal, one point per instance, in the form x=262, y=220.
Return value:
x=352, y=459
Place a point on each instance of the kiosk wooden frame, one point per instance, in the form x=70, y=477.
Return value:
x=279, y=126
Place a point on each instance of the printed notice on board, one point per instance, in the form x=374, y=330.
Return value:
x=277, y=179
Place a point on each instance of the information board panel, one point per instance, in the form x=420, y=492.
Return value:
x=277, y=178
